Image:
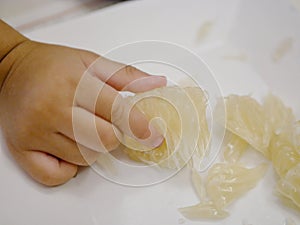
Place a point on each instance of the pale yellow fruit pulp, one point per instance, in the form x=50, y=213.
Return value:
x=270, y=128
x=183, y=112
x=227, y=182
x=234, y=148
x=246, y=118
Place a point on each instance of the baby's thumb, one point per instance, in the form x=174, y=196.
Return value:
x=44, y=168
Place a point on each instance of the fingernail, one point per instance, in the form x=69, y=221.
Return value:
x=164, y=79
x=161, y=77
x=75, y=175
x=158, y=141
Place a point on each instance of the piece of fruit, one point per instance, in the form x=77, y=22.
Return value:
x=286, y=201
x=280, y=138
x=246, y=118
x=284, y=153
x=183, y=112
x=289, y=185
x=234, y=148
x=281, y=117
x=269, y=128
x=205, y=210
x=227, y=182
x=224, y=184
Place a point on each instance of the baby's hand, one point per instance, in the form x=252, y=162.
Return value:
x=47, y=87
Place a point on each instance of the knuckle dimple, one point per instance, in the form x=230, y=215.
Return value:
x=130, y=70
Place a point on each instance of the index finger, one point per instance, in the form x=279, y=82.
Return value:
x=123, y=77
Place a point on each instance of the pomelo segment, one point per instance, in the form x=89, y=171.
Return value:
x=234, y=148
x=205, y=210
x=289, y=186
x=281, y=117
x=227, y=182
x=224, y=184
x=183, y=112
x=284, y=153
x=271, y=129
x=246, y=118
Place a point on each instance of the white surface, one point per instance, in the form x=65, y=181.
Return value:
x=248, y=28
x=30, y=14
